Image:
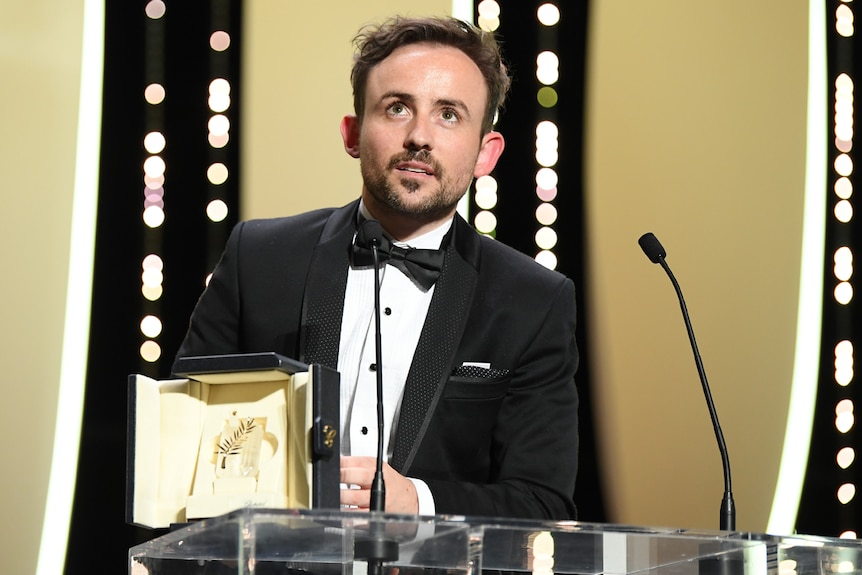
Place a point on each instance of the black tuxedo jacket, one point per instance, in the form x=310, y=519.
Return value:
x=488, y=442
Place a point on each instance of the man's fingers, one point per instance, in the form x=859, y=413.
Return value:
x=357, y=476
x=360, y=498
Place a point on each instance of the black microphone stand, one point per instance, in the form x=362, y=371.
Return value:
x=656, y=253
x=377, y=549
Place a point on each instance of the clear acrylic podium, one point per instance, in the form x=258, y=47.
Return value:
x=297, y=542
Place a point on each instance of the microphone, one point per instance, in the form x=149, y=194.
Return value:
x=377, y=548
x=370, y=235
x=657, y=254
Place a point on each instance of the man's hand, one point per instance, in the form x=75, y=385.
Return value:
x=359, y=472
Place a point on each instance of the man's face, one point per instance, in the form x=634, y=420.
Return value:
x=419, y=140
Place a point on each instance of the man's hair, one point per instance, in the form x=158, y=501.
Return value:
x=375, y=43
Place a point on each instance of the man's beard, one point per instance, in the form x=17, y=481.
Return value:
x=435, y=205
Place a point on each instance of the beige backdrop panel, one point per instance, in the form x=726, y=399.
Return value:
x=40, y=50
x=696, y=132
x=296, y=65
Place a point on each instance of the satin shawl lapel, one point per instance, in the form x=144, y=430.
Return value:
x=323, y=301
x=441, y=334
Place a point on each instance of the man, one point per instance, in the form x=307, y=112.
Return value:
x=478, y=368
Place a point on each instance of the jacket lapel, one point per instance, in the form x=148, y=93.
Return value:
x=435, y=351
x=323, y=301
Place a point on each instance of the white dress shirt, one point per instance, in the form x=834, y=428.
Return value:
x=403, y=307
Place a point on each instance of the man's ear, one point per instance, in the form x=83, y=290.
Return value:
x=350, y=134
x=489, y=153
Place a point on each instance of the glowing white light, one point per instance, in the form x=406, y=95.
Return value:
x=843, y=211
x=548, y=14
x=546, y=178
x=217, y=173
x=844, y=21
x=150, y=351
x=547, y=259
x=845, y=456
x=546, y=214
x=151, y=326
x=485, y=222
x=547, y=130
x=547, y=157
x=218, y=141
x=154, y=166
x=154, y=142
x=220, y=41
x=154, y=216
x=217, y=210
x=843, y=293
x=152, y=262
x=219, y=102
x=154, y=94
x=219, y=124
x=843, y=188
x=488, y=9
x=844, y=165
x=845, y=494
x=546, y=238
x=155, y=9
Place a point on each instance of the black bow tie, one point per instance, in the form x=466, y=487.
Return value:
x=422, y=266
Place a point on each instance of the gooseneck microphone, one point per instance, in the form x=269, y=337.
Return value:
x=370, y=234
x=377, y=548
x=657, y=254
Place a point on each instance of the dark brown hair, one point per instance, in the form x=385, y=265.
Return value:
x=375, y=43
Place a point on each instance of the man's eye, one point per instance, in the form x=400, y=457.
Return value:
x=450, y=115
x=397, y=109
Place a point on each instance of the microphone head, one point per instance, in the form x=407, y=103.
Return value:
x=652, y=247
x=370, y=233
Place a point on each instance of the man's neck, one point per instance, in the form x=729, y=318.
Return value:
x=403, y=228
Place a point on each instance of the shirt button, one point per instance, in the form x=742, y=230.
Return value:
x=364, y=430
x=388, y=311
x=372, y=367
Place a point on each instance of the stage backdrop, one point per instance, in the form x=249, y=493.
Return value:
x=40, y=63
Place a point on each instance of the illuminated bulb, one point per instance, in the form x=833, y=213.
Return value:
x=485, y=222
x=846, y=493
x=843, y=293
x=546, y=214
x=217, y=173
x=488, y=9
x=843, y=165
x=546, y=238
x=154, y=142
x=548, y=14
x=843, y=188
x=217, y=210
x=546, y=195
x=845, y=457
x=150, y=351
x=219, y=124
x=547, y=259
x=155, y=9
x=154, y=166
x=151, y=326
x=546, y=178
x=154, y=216
x=154, y=94
x=219, y=41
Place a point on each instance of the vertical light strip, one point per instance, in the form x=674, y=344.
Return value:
x=73, y=365
x=800, y=416
x=463, y=10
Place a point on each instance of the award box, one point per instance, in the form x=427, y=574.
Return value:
x=232, y=431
